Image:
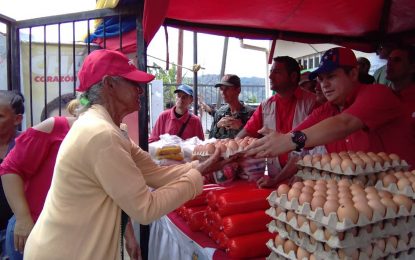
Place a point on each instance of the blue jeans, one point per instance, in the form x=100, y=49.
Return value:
x=13, y=254
x=3, y=244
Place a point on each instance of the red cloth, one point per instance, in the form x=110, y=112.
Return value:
x=33, y=158
x=168, y=123
x=387, y=127
x=284, y=118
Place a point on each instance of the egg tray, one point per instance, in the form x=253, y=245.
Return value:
x=349, y=239
x=393, y=188
x=317, y=248
x=279, y=252
x=369, y=169
x=275, y=256
x=403, y=226
x=331, y=221
x=314, y=174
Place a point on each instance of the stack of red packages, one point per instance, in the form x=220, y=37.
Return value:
x=235, y=219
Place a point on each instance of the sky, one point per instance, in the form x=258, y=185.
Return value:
x=243, y=62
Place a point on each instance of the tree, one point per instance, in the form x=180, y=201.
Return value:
x=169, y=80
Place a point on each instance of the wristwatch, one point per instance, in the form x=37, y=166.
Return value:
x=299, y=138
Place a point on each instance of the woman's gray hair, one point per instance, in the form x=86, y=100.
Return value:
x=90, y=97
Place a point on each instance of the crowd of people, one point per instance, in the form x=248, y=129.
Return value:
x=76, y=178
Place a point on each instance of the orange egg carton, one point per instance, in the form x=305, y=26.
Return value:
x=398, y=183
x=353, y=163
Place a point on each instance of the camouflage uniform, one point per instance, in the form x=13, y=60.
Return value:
x=221, y=132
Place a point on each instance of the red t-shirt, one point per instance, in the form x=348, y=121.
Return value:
x=284, y=118
x=386, y=127
x=168, y=123
x=33, y=159
x=407, y=97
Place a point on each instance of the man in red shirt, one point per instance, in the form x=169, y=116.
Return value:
x=284, y=110
x=177, y=120
x=368, y=117
x=400, y=71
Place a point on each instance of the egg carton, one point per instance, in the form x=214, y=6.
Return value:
x=402, y=226
x=314, y=174
x=274, y=256
x=393, y=188
x=368, y=169
x=319, y=250
x=403, y=255
x=312, y=246
x=331, y=220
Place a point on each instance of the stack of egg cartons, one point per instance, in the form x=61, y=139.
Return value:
x=339, y=218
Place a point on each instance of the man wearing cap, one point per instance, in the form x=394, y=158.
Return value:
x=232, y=117
x=367, y=117
x=306, y=83
x=177, y=120
x=284, y=110
x=99, y=172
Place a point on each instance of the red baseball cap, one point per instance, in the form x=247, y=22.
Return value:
x=112, y=63
x=333, y=59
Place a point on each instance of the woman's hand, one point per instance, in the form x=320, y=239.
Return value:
x=22, y=229
x=214, y=163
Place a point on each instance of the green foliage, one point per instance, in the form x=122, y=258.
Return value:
x=252, y=99
x=169, y=79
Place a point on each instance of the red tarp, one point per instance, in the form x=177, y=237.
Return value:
x=354, y=23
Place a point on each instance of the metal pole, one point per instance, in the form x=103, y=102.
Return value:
x=195, y=73
x=222, y=69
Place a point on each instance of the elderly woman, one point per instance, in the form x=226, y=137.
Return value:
x=100, y=172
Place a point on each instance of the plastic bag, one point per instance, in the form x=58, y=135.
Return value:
x=251, y=169
x=252, y=245
x=247, y=223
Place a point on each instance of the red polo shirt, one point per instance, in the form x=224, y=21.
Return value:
x=168, y=123
x=284, y=117
x=386, y=126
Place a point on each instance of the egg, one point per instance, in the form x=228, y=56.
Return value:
x=317, y=202
x=332, y=191
x=344, y=155
x=283, y=189
x=393, y=240
x=321, y=187
x=347, y=211
x=325, y=160
x=347, y=164
x=364, y=209
x=233, y=146
x=335, y=162
x=319, y=193
x=313, y=227
x=302, y=253
x=307, y=159
x=371, y=189
x=332, y=197
x=210, y=148
x=358, y=162
x=323, y=182
x=298, y=185
x=327, y=234
x=360, y=197
x=384, y=157
x=307, y=189
x=372, y=196
x=309, y=183
x=279, y=241
x=290, y=246
x=377, y=207
x=384, y=194
x=290, y=215
x=344, y=183
x=294, y=194
x=301, y=220
x=403, y=200
x=389, y=179
x=380, y=244
x=394, y=157
x=375, y=157
x=330, y=206
x=399, y=175
x=403, y=183
x=305, y=198
x=368, y=161
x=315, y=159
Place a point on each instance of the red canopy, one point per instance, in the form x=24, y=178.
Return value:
x=359, y=24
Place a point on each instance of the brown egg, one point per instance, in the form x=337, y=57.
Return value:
x=344, y=155
x=317, y=202
x=384, y=157
x=371, y=189
x=377, y=207
x=384, y=194
x=332, y=191
x=233, y=146
x=347, y=164
x=331, y=182
x=394, y=157
x=364, y=209
x=305, y=198
x=309, y=183
x=290, y=246
x=298, y=185
x=330, y=206
x=358, y=162
x=345, y=194
x=319, y=193
x=368, y=161
x=375, y=157
x=315, y=159
x=399, y=175
x=307, y=159
x=302, y=253
x=283, y=189
x=321, y=187
x=332, y=197
x=347, y=211
x=345, y=201
x=344, y=183
x=372, y=196
x=335, y=162
x=290, y=215
x=313, y=226
x=210, y=148
x=325, y=159
x=360, y=179
x=380, y=244
x=294, y=194
x=403, y=200
x=279, y=241
x=393, y=240
x=307, y=189
x=323, y=182
x=360, y=197
x=402, y=183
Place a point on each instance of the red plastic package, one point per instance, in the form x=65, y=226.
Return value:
x=196, y=221
x=246, y=223
x=222, y=240
x=251, y=245
x=211, y=197
x=189, y=211
x=241, y=202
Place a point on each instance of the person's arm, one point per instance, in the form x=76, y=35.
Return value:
x=328, y=130
x=14, y=190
